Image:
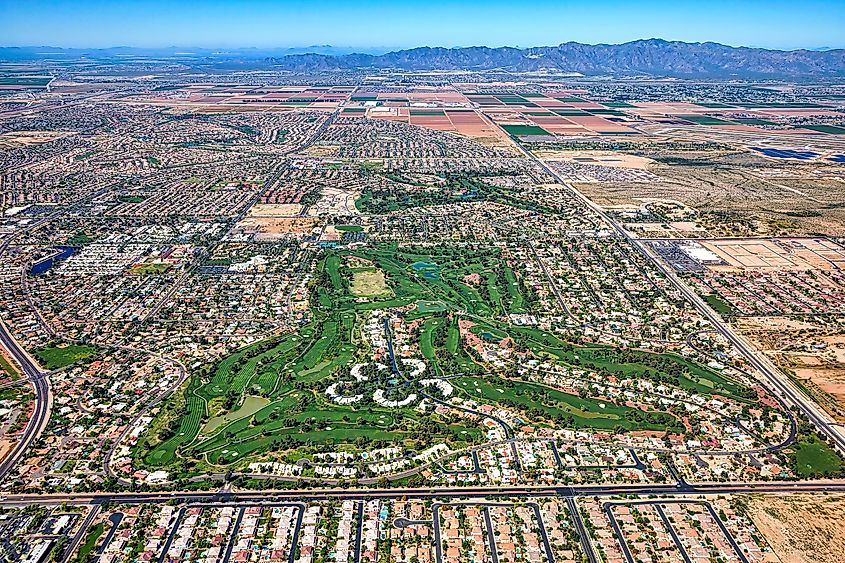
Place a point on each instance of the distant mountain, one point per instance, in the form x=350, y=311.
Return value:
x=248, y=54
x=654, y=57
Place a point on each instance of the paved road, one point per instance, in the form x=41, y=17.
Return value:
x=169, y=541
x=80, y=533
x=438, y=540
x=522, y=491
x=43, y=400
x=678, y=543
x=360, y=530
x=491, y=536
x=583, y=536
x=230, y=545
x=547, y=546
x=115, y=519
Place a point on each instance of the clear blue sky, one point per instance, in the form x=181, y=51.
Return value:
x=406, y=23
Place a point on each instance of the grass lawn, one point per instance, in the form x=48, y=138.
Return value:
x=149, y=268
x=430, y=306
x=332, y=267
x=719, y=305
x=90, y=542
x=79, y=238
x=349, y=228
x=369, y=282
x=250, y=406
x=132, y=198
x=815, y=458
x=56, y=357
x=7, y=368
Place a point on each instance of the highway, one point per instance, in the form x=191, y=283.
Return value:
x=516, y=491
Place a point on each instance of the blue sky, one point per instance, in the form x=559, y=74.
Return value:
x=407, y=23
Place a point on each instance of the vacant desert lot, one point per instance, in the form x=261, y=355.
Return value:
x=802, y=528
x=736, y=194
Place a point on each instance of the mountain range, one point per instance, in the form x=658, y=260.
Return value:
x=651, y=57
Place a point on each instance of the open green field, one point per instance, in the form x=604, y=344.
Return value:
x=369, y=282
x=7, y=370
x=150, y=268
x=349, y=228
x=524, y=130
x=57, y=357
x=87, y=548
x=719, y=305
x=704, y=120
x=814, y=458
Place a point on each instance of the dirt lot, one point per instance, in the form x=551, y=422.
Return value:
x=802, y=528
x=733, y=198
x=275, y=210
x=272, y=228
x=777, y=255
x=813, y=351
x=13, y=139
x=601, y=158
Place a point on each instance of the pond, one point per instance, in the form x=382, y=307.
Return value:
x=62, y=253
x=428, y=270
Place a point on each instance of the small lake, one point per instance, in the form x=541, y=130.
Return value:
x=62, y=253
x=428, y=270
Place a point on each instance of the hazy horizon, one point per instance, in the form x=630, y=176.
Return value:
x=402, y=24
x=382, y=48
